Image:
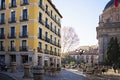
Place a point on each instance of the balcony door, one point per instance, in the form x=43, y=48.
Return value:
x=24, y=30
x=1, y=31
x=2, y=18
x=13, y=16
x=24, y=43
x=40, y=33
x=2, y=4
x=12, y=31
x=13, y=2
x=46, y=35
x=25, y=14
x=1, y=45
x=12, y=44
x=25, y=1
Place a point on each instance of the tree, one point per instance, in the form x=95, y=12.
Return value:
x=70, y=39
x=113, y=52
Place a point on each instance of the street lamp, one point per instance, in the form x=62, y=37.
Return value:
x=80, y=52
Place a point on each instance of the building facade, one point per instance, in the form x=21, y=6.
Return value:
x=109, y=26
x=30, y=32
x=89, y=56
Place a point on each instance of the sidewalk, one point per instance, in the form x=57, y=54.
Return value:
x=110, y=75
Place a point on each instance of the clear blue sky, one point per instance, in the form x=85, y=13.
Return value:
x=83, y=16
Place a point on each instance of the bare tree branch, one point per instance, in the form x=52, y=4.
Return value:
x=69, y=39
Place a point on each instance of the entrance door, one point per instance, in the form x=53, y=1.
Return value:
x=40, y=60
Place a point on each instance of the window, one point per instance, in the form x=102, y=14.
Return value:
x=46, y=35
x=58, y=52
x=46, y=47
x=41, y=2
x=55, y=41
x=40, y=45
x=13, y=3
x=2, y=20
x=1, y=46
x=24, y=58
x=13, y=16
x=51, y=38
x=50, y=48
x=40, y=16
x=46, y=22
x=25, y=1
x=58, y=21
x=2, y=4
x=51, y=13
x=51, y=26
x=24, y=30
x=55, y=50
x=13, y=58
x=55, y=17
x=40, y=33
x=58, y=42
x=12, y=44
x=58, y=31
x=46, y=8
x=12, y=30
x=1, y=31
x=55, y=29
x=24, y=17
x=24, y=43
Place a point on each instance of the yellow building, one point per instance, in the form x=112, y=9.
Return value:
x=30, y=32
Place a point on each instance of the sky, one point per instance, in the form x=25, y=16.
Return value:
x=83, y=16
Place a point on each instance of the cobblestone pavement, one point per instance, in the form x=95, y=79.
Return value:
x=63, y=75
x=103, y=77
x=5, y=77
x=66, y=75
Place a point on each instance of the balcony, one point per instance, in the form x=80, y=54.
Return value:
x=2, y=8
x=46, y=51
x=59, y=45
x=47, y=25
x=23, y=3
x=22, y=18
x=59, y=35
x=59, y=24
x=2, y=22
x=12, y=5
x=42, y=22
x=39, y=50
x=42, y=6
x=12, y=20
x=11, y=48
x=51, y=52
x=47, y=39
x=2, y=49
x=2, y=36
x=58, y=54
x=48, y=13
x=23, y=48
x=23, y=35
x=11, y=36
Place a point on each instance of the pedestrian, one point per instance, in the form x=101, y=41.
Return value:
x=114, y=67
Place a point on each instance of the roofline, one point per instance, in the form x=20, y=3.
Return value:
x=54, y=8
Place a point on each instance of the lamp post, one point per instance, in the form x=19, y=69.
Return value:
x=80, y=52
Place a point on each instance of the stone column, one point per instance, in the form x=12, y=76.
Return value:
x=38, y=73
x=13, y=67
x=26, y=71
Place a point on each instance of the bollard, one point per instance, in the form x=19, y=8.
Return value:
x=26, y=71
x=38, y=73
x=13, y=67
